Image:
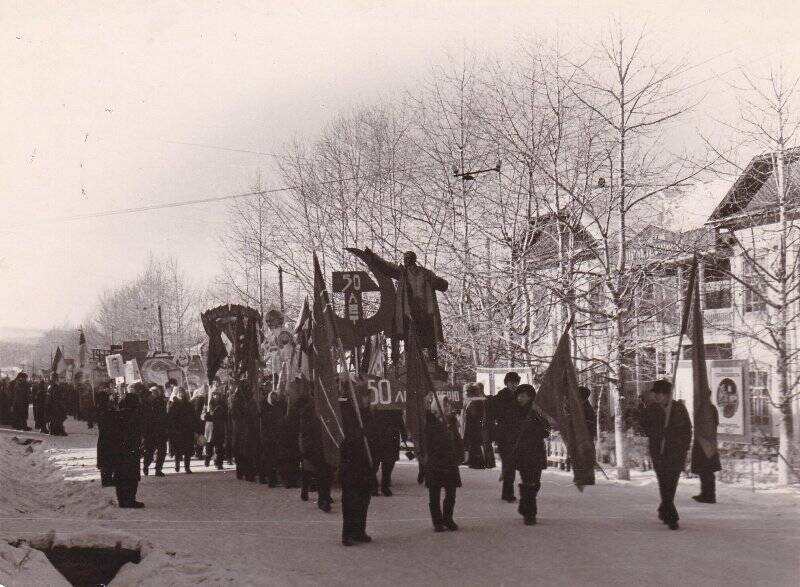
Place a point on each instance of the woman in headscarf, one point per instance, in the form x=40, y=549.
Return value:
x=476, y=429
x=216, y=419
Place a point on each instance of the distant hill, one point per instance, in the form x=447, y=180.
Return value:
x=20, y=335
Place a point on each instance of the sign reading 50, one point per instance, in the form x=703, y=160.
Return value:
x=382, y=396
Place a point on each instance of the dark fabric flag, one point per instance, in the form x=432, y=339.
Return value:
x=326, y=385
x=705, y=420
x=81, y=350
x=216, y=347
x=558, y=399
x=58, y=359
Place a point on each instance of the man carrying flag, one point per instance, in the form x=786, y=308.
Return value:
x=559, y=400
x=705, y=454
x=666, y=422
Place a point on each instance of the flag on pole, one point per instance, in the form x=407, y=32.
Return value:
x=59, y=366
x=558, y=399
x=326, y=385
x=81, y=350
x=375, y=365
x=705, y=421
x=418, y=387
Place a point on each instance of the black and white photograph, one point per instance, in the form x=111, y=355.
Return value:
x=400, y=292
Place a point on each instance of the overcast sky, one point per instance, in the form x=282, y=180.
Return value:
x=115, y=105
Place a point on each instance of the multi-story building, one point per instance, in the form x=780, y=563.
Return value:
x=739, y=247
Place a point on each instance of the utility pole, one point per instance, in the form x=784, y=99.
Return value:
x=161, y=327
x=280, y=286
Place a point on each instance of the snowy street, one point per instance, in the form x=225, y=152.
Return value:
x=609, y=535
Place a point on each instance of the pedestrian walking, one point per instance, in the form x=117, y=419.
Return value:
x=355, y=469
x=106, y=436
x=444, y=453
x=155, y=431
x=20, y=392
x=529, y=455
x=127, y=420
x=669, y=430
x=182, y=424
x=271, y=420
x=705, y=467
x=216, y=420
x=56, y=410
x=40, y=419
x=476, y=429
x=385, y=434
x=245, y=438
x=314, y=466
x=500, y=408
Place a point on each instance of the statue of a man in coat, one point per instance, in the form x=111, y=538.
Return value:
x=416, y=298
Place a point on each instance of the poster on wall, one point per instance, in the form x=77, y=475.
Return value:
x=726, y=380
x=727, y=393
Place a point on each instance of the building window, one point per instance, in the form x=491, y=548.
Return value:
x=760, y=407
x=754, y=285
x=718, y=284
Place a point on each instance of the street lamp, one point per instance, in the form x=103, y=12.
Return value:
x=470, y=175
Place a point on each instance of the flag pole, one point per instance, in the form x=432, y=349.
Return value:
x=687, y=302
x=326, y=307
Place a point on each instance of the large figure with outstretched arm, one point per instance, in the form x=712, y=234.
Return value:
x=416, y=298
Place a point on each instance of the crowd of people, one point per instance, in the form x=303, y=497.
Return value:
x=280, y=443
x=52, y=402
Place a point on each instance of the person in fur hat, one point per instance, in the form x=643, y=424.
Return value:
x=528, y=451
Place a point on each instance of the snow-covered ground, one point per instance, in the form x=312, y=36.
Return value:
x=209, y=528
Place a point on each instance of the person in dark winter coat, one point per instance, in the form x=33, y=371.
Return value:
x=5, y=402
x=127, y=421
x=476, y=429
x=245, y=437
x=444, y=452
x=705, y=468
x=199, y=401
x=20, y=392
x=216, y=419
x=106, y=436
x=355, y=469
x=56, y=410
x=314, y=465
x=385, y=433
x=40, y=418
x=500, y=408
x=86, y=399
x=589, y=415
x=182, y=424
x=155, y=430
x=529, y=454
x=668, y=446
x=272, y=421
x=289, y=456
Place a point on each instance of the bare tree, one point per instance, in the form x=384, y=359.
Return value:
x=633, y=98
x=760, y=224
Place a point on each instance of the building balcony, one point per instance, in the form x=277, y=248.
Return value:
x=718, y=317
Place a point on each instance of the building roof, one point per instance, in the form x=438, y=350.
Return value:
x=754, y=194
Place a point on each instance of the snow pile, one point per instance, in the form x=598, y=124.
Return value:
x=179, y=570
x=89, y=538
x=32, y=484
x=24, y=566
x=157, y=566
